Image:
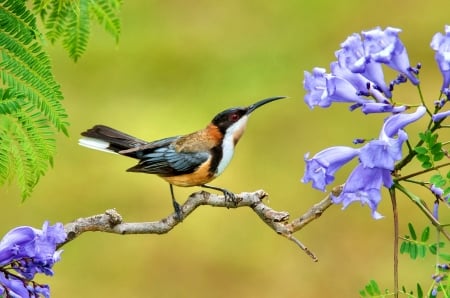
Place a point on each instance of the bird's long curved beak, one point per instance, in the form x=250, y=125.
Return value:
x=256, y=105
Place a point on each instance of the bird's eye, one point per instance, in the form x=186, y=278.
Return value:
x=233, y=117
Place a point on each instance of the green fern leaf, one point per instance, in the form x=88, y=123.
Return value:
x=29, y=146
x=69, y=21
x=9, y=101
x=106, y=12
x=30, y=100
x=75, y=40
x=56, y=21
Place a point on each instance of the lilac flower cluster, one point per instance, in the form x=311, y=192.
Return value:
x=357, y=78
x=441, y=45
x=25, y=251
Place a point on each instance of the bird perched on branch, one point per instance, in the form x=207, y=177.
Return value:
x=194, y=159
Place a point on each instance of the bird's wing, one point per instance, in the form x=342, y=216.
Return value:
x=142, y=150
x=166, y=161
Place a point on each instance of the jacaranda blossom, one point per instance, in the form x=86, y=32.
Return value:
x=357, y=76
x=441, y=44
x=25, y=251
x=364, y=186
x=386, y=150
x=352, y=56
x=439, y=116
x=320, y=169
x=324, y=89
x=377, y=160
x=385, y=46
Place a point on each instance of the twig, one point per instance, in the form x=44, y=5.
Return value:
x=112, y=222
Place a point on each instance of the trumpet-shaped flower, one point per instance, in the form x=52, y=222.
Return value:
x=386, y=47
x=320, y=169
x=28, y=251
x=441, y=44
x=439, y=116
x=363, y=185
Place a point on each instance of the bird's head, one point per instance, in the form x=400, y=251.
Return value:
x=232, y=122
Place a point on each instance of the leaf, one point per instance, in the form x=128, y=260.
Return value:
x=413, y=251
x=425, y=234
x=419, y=291
x=371, y=288
x=445, y=257
x=421, y=250
x=436, y=148
x=427, y=165
x=437, y=180
x=423, y=157
x=438, y=156
x=375, y=287
x=30, y=99
x=106, y=13
x=412, y=232
x=75, y=40
x=404, y=248
x=432, y=140
x=434, y=247
x=421, y=150
x=70, y=21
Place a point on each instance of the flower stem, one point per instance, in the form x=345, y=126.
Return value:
x=422, y=206
x=396, y=237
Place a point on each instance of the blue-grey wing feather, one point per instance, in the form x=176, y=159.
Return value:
x=166, y=161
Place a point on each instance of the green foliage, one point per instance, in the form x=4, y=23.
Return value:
x=414, y=247
x=373, y=290
x=70, y=21
x=431, y=151
x=31, y=111
x=30, y=99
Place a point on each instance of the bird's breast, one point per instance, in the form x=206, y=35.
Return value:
x=199, y=176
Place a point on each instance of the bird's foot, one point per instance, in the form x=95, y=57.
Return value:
x=178, y=212
x=230, y=198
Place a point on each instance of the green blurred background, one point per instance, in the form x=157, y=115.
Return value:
x=177, y=64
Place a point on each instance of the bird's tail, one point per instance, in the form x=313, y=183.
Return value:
x=104, y=138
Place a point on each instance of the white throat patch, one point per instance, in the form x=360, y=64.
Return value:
x=231, y=137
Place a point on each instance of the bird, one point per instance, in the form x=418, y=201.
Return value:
x=194, y=159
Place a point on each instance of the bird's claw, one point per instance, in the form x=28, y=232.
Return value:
x=178, y=212
x=231, y=198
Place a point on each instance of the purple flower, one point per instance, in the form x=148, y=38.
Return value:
x=352, y=56
x=323, y=89
x=386, y=150
x=439, y=116
x=316, y=86
x=436, y=190
x=441, y=44
x=383, y=154
x=320, y=169
x=377, y=160
x=386, y=47
x=361, y=83
x=396, y=122
x=364, y=185
x=25, y=251
x=377, y=107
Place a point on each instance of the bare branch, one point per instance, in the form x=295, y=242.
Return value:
x=111, y=221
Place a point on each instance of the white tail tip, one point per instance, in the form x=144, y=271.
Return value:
x=95, y=144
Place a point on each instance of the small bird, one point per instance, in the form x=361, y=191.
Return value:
x=194, y=159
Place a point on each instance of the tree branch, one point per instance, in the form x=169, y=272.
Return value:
x=111, y=221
